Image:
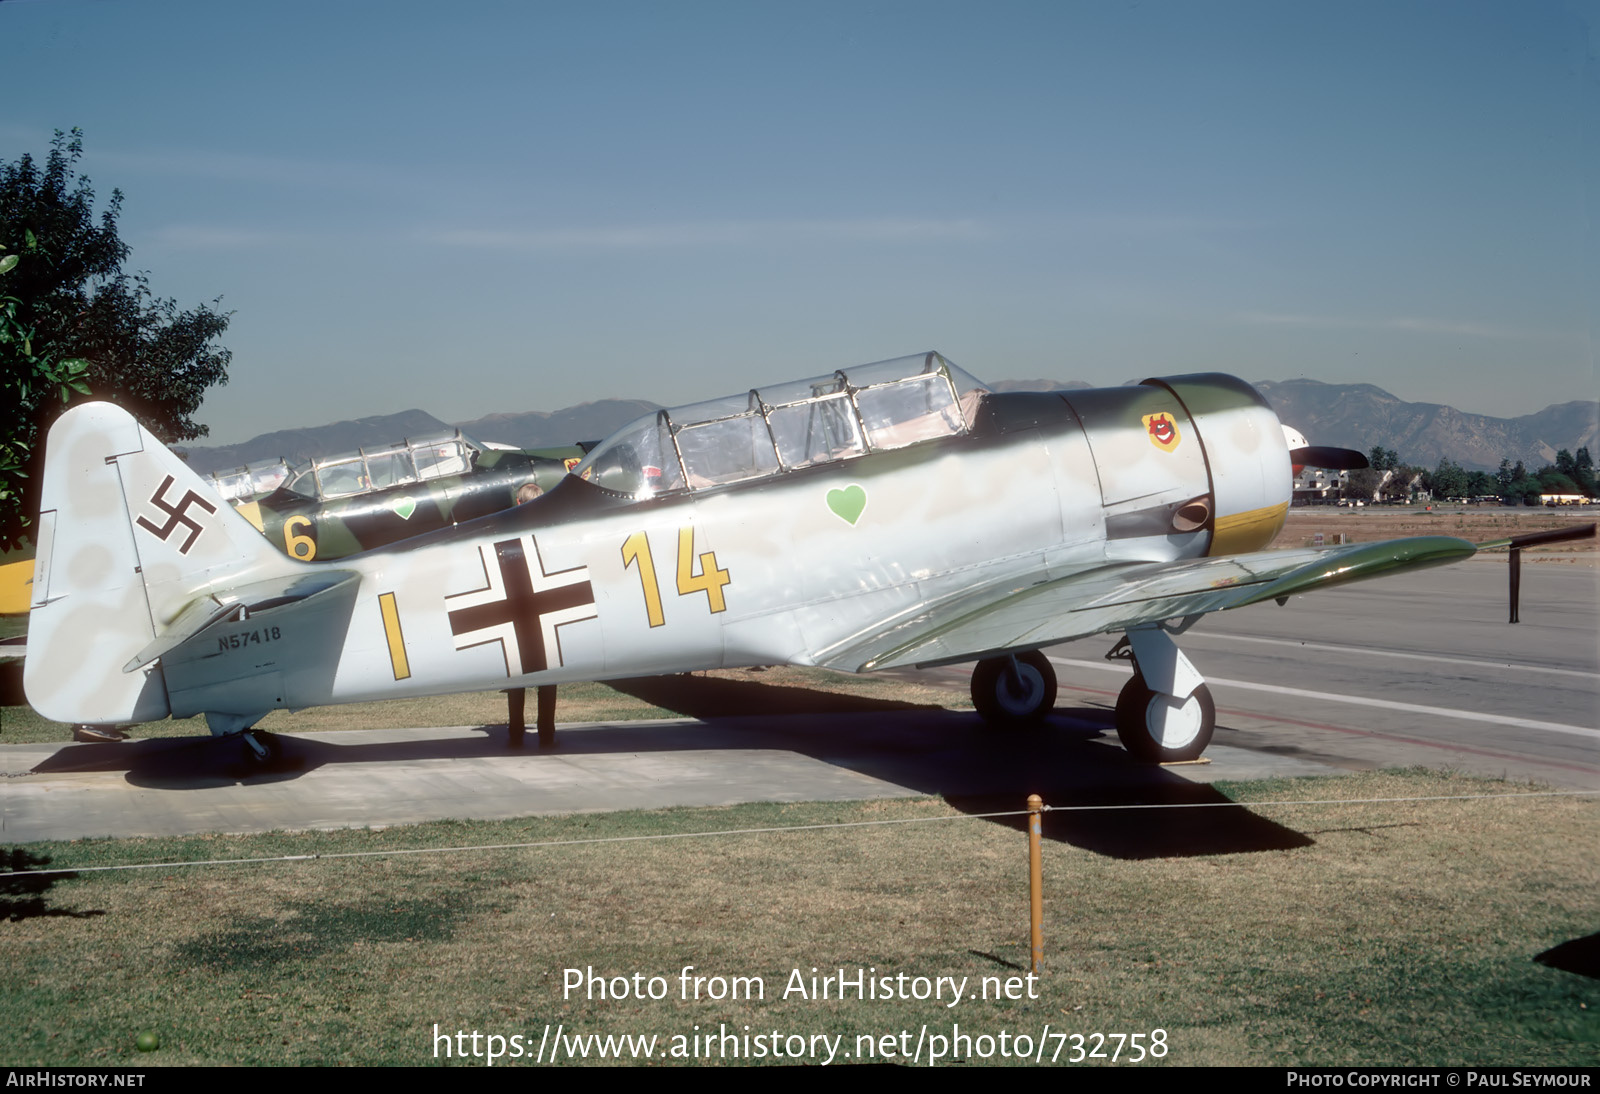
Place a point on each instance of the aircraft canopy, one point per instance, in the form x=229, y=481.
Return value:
x=851, y=412
x=368, y=470
x=250, y=481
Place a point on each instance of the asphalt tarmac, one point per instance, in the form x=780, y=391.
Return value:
x=1420, y=669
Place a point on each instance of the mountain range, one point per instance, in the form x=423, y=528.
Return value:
x=1361, y=415
x=1358, y=416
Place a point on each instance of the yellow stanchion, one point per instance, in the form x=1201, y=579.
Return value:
x=1036, y=877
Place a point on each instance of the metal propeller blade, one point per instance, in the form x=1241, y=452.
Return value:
x=1334, y=459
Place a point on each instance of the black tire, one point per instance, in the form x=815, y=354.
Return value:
x=1158, y=730
x=999, y=699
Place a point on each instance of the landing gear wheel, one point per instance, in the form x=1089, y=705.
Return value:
x=1014, y=691
x=1160, y=729
x=261, y=748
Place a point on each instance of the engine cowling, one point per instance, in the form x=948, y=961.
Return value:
x=1246, y=456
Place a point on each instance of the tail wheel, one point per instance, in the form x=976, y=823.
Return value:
x=1014, y=691
x=1161, y=729
x=261, y=748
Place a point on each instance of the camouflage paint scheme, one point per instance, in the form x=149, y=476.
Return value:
x=893, y=514
x=309, y=528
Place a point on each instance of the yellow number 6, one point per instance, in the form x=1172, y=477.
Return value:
x=303, y=548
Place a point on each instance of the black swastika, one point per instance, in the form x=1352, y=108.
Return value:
x=177, y=515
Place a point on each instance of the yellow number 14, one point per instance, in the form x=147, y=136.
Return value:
x=709, y=578
x=636, y=552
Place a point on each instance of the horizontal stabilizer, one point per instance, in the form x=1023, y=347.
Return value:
x=239, y=604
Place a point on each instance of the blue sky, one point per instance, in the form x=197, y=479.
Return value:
x=481, y=207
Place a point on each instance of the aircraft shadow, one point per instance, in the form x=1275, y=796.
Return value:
x=717, y=697
x=1102, y=798
x=1580, y=956
x=1073, y=762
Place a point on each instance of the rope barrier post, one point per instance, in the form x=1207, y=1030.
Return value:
x=1036, y=878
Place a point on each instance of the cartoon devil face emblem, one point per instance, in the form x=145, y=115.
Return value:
x=1163, y=431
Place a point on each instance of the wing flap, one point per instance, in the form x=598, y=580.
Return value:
x=1117, y=596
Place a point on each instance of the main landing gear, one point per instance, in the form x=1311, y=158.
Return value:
x=1165, y=714
x=1162, y=729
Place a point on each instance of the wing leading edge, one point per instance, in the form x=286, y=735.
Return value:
x=998, y=618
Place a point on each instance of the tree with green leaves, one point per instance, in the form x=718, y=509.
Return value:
x=1583, y=472
x=1552, y=481
x=1481, y=484
x=27, y=381
x=1362, y=484
x=74, y=324
x=1505, y=476
x=1447, y=481
x=1525, y=488
x=1383, y=459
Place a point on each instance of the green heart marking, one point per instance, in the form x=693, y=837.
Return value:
x=848, y=504
x=403, y=507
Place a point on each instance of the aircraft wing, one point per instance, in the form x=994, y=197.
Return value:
x=1000, y=617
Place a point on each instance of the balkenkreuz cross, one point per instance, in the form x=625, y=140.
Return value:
x=528, y=601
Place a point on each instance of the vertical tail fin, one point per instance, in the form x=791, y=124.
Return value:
x=128, y=537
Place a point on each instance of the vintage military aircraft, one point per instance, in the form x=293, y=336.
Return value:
x=334, y=506
x=888, y=515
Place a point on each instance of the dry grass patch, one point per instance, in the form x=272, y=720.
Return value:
x=1404, y=933
x=1392, y=522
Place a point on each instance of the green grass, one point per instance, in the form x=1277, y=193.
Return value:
x=1403, y=933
